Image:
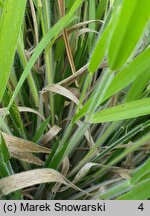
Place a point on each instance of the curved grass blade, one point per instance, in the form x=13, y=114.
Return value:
x=16, y=144
x=50, y=135
x=22, y=149
x=30, y=178
x=58, y=89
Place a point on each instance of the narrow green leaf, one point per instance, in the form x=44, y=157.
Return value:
x=5, y=152
x=40, y=130
x=131, y=22
x=102, y=44
x=102, y=6
x=14, y=111
x=31, y=81
x=124, y=111
x=4, y=158
x=10, y=25
x=117, y=189
x=142, y=170
x=139, y=192
x=138, y=86
x=92, y=16
x=3, y=169
x=100, y=50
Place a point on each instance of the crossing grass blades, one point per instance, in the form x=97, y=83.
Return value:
x=74, y=99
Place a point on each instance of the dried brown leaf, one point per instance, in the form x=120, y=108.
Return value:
x=30, y=178
x=50, y=134
x=27, y=157
x=86, y=30
x=23, y=149
x=64, y=171
x=79, y=25
x=23, y=109
x=15, y=144
x=61, y=91
x=74, y=77
x=87, y=135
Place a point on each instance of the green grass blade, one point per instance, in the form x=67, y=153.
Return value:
x=102, y=44
x=14, y=112
x=5, y=152
x=4, y=158
x=10, y=25
x=102, y=7
x=100, y=49
x=40, y=130
x=142, y=170
x=139, y=192
x=131, y=22
x=117, y=189
x=138, y=86
x=92, y=16
x=124, y=111
x=31, y=82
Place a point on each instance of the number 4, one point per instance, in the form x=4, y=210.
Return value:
x=141, y=207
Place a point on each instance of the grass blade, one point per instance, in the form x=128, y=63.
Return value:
x=139, y=192
x=130, y=25
x=124, y=111
x=13, y=14
x=30, y=178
